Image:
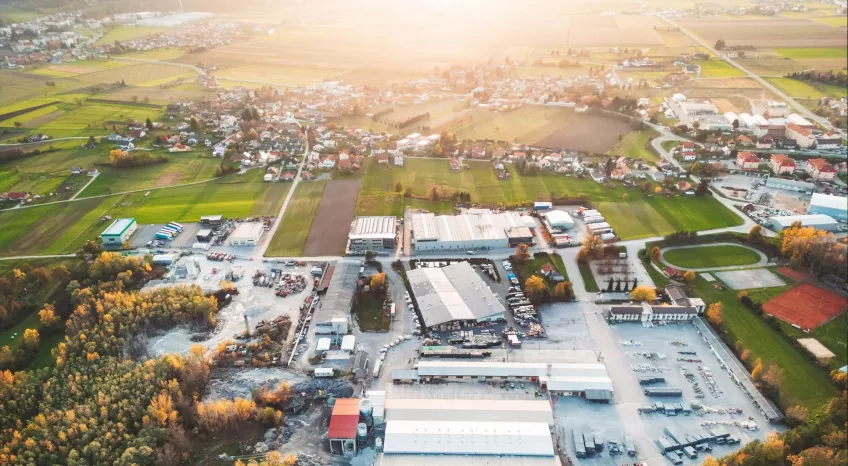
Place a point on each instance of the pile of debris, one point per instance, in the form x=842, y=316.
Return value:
x=277, y=329
x=290, y=283
x=336, y=388
x=536, y=331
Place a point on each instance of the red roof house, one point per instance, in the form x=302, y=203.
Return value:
x=747, y=161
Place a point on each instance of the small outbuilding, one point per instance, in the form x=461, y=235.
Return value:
x=246, y=234
x=204, y=235
x=559, y=219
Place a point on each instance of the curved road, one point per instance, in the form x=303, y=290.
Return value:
x=763, y=262
x=806, y=113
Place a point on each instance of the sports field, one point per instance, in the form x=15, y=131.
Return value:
x=806, y=306
x=294, y=228
x=711, y=256
x=803, y=384
x=638, y=217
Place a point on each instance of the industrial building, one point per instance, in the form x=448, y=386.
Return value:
x=834, y=206
x=332, y=317
x=212, y=220
x=702, y=111
x=476, y=229
x=119, y=231
x=204, y=235
x=559, y=219
x=647, y=313
x=343, y=425
x=468, y=432
x=373, y=234
x=454, y=294
x=790, y=185
x=820, y=221
x=587, y=380
x=246, y=234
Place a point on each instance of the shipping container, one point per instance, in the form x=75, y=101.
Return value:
x=590, y=220
x=579, y=448
x=323, y=372
x=542, y=205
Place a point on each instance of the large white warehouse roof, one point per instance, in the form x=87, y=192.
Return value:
x=577, y=384
x=441, y=410
x=465, y=460
x=559, y=218
x=468, y=438
x=813, y=220
x=455, y=292
x=481, y=369
x=829, y=201
x=479, y=224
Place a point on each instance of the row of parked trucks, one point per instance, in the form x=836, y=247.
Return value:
x=588, y=444
x=675, y=446
x=170, y=231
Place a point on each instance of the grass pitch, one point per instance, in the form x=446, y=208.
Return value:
x=711, y=256
x=294, y=228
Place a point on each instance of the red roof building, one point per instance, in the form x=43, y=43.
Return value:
x=747, y=161
x=781, y=164
x=344, y=419
x=820, y=170
x=14, y=196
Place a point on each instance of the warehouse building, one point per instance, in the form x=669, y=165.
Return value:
x=454, y=294
x=790, y=185
x=332, y=317
x=372, y=234
x=587, y=380
x=476, y=229
x=119, y=232
x=246, y=234
x=212, y=220
x=834, y=206
x=519, y=235
x=343, y=425
x=204, y=235
x=820, y=221
x=468, y=432
x=559, y=219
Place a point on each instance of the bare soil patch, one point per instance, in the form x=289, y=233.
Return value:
x=44, y=119
x=168, y=179
x=588, y=133
x=724, y=105
x=328, y=234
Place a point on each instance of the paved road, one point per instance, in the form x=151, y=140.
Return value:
x=763, y=262
x=259, y=252
x=798, y=107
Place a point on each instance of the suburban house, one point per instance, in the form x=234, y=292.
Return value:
x=399, y=160
x=689, y=155
x=683, y=186
x=551, y=273
x=327, y=164
x=820, y=170
x=619, y=173
x=271, y=173
x=14, y=196
x=179, y=148
x=803, y=136
x=765, y=143
x=657, y=175
x=76, y=171
x=455, y=165
x=747, y=161
x=383, y=158
x=781, y=164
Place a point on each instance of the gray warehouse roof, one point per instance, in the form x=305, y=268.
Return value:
x=476, y=225
x=813, y=220
x=833, y=202
x=374, y=227
x=455, y=292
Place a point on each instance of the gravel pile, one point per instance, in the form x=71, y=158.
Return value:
x=336, y=388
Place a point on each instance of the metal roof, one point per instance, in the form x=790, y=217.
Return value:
x=476, y=224
x=374, y=227
x=344, y=419
x=119, y=226
x=484, y=369
x=454, y=292
x=466, y=460
x=469, y=438
x=829, y=201
x=806, y=220
x=577, y=384
x=442, y=410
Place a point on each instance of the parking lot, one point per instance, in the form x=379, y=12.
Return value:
x=752, y=189
x=631, y=350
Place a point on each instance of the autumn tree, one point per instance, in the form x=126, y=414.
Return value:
x=714, y=313
x=655, y=253
x=745, y=355
x=195, y=124
x=757, y=371
x=773, y=376
x=251, y=135
x=564, y=290
x=522, y=253
x=437, y=150
x=689, y=276
x=592, y=246
x=755, y=235
x=535, y=287
x=797, y=415
x=47, y=316
x=434, y=192
x=378, y=281
x=31, y=339
x=643, y=293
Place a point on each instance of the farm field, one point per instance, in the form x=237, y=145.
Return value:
x=803, y=383
x=123, y=33
x=796, y=88
x=767, y=33
x=800, y=53
x=159, y=54
x=633, y=145
x=50, y=229
x=180, y=169
x=718, y=69
x=546, y=127
x=711, y=256
x=334, y=214
x=297, y=221
x=91, y=116
x=31, y=119
x=835, y=21
x=640, y=217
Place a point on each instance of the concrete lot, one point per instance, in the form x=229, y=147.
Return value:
x=750, y=278
x=613, y=421
x=147, y=233
x=780, y=199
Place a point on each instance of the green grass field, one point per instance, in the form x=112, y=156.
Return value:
x=633, y=144
x=180, y=169
x=801, y=89
x=638, y=217
x=813, y=52
x=803, y=384
x=89, y=118
x=122, y=33
x=833, y=335
x=13, y=15
x=711, y=256
x=835, y=21
x=294, y=228
x=717, y=69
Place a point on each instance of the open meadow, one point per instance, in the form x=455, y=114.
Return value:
x=180, y=169
x=767, y=33
x=124, y=33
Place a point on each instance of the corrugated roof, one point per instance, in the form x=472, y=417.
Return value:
x=455, y=292
x=806, y=220
x=468, y=410
x=478, y=368
x=343, y=426
x=374, y=227
x=119, y=226
x=469, y=438
x=346, y=406
x=826, y=200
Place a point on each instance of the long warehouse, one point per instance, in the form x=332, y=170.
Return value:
x=477, y=229
x=455, y=293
